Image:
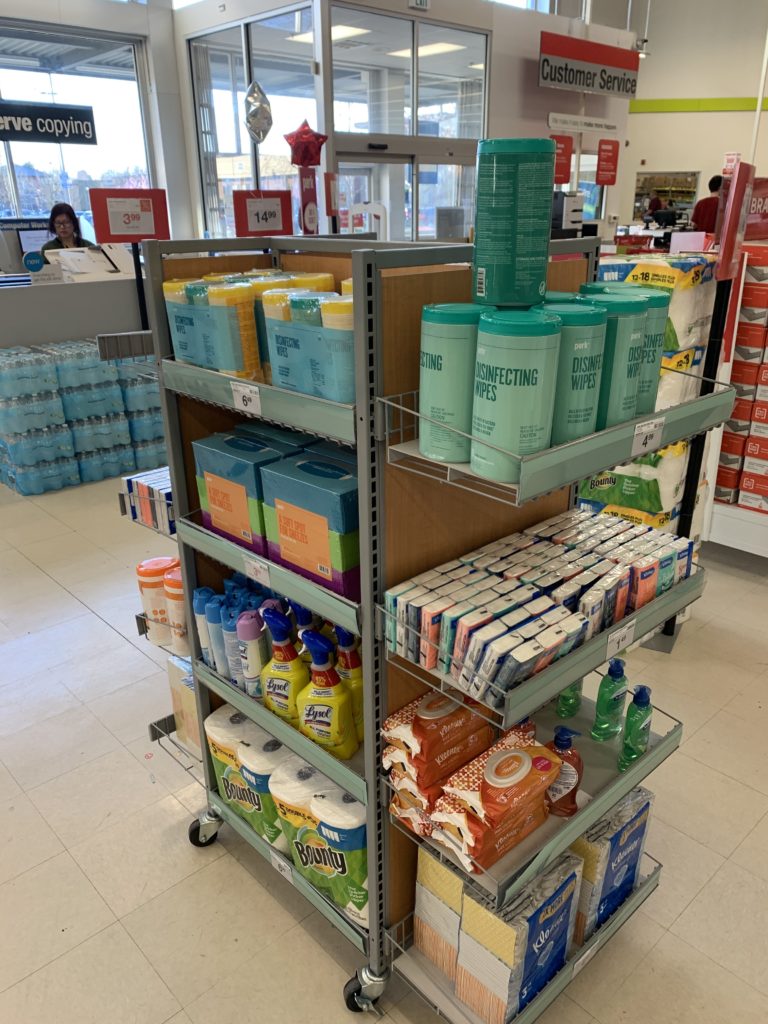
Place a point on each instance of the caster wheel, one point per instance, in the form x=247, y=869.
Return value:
x=352, y=990
x=196, y=839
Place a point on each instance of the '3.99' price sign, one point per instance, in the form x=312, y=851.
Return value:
x=129, y=214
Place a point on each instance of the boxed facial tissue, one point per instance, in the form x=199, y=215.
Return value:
x=311, y=520
x=228, y=469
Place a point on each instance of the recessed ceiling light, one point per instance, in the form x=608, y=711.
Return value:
x=478, y=67
x=338, y=32
x=430, y=50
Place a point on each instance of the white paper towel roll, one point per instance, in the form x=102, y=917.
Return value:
x=260, y=752
x=341, y=828
x=225, y=728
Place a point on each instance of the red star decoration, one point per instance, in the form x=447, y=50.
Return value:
x=305, y=145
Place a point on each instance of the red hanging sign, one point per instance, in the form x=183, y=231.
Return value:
x=331, y=194
x=563, y=154
x=607, y=161
x=310, y=219
x=129, y=214
x=261, y=212
x=757, y=217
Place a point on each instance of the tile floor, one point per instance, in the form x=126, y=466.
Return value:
x=110, y=915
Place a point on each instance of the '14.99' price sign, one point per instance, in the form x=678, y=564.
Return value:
x=259, y=212
x=129, y=214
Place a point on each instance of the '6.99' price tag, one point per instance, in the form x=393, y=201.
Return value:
x=621, y=638
x=282, y=866
x=647, y=436
x=246, y=396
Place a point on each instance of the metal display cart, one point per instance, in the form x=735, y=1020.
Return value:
x=413, y=515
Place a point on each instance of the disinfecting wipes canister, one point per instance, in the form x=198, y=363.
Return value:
x=623, y=356
x=447, y=362
x=579, y=368
x=513, y=213
x=515, y=377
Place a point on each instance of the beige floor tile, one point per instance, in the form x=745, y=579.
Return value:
x=734, y=747
x=688, y=866
x=412, y=1009
x=166, y=770
x=26, y=840
x=47, y=552
x=591, y=988
x=101, y=672
x=34, y=527
x=752, y=853
x=6, y=635
x=79, y=638
x=105, y=980
x=28, y=580
x=726, y=922
x=8, y=785
x=752, y=704
x=31, y=614
x=54, y=908
x=731, y=641
x=193, y=798
x=23, y=705
x=704, y=804
x=675, y=984
x=209, y=925
x=95, y=796
x=43, y=751
x=292, y=964
x=705, y=675
x=102, y=587
x=121, y=613
x=141, y=856
x=179, y=1018
x=68, y=573
x=290, y=899
x=128, y=711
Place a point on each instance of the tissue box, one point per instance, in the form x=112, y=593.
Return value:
x=727, y=478
x=228, y=470
x=733, y=444
x=282, y=439
x=311, y=520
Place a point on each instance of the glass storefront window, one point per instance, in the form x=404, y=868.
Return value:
x=451, y=80
x=373, y=181
x=371, y=72
x=446, y=200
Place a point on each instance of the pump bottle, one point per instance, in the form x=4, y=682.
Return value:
x=561, y=795
x=637, y=728
x=609, y=707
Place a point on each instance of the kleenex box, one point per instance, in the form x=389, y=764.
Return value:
x=311, y=520
x=282, y=439
x=228, y=470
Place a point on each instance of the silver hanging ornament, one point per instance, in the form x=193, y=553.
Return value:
x=258, y=113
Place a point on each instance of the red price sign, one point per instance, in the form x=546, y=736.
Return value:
x=262, y=212
x=310, y=220
x=563, y=153
x=607, y=161
x=129, y=214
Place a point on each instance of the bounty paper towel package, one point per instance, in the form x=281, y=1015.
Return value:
x=652, y=484
x=259, y=755
x=311, y=520
x=611, y=850
x=228, y=469
x=507, y=957
x=225, y=730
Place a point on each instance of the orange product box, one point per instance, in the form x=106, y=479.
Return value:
x=754, y=483
x=742, y=409
x=755, y=296
x=758, y=254
x=756, y=448
x=755, y=466
x=760, y=412
x=743, y=372
x=750, y=336
x=762, y=375
x=758, y=430
x=733, y=444
x=727, y=478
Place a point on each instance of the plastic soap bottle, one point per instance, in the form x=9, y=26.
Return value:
x=569, y=700
x=325, y=706
x=637, y=728
x=285, y=674
x=350, y=670
x=561, y=795
x=609, y=708
x=254, y=650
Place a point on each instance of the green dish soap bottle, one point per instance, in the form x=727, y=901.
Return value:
x=569, y=700
x=609, y=708
x=637, y=728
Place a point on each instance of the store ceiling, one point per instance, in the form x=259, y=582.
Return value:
x=64, y=53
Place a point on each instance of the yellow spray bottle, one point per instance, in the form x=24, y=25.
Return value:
x=350, y=670
x=325, y=706
x=285, y=675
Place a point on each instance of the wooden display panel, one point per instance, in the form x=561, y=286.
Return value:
x=191, y=267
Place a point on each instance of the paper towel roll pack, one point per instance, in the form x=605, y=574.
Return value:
x=259, y=755
x=226, y=729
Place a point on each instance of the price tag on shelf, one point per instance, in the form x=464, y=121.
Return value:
x=256, y=570
x=584, y=959
x=246, y=396
x=621, y=638
x=131, y=217
x=264, y=214
x=282, y=866
x=647, y=436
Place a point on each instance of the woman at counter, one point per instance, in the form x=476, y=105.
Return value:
x=64, y=224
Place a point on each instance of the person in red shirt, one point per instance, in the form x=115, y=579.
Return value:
x=655, y=202
x=704, y=216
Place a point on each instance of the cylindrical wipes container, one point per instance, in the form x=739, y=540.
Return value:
x=513, y=216
x=446, y=378
x=515, y=378
x=579, y=368
x=622, y=356
x=176, y=612
x=150, y=574
x=655, y=332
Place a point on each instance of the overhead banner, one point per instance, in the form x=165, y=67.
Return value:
x=579, y=65
x=563, y=153
x=46, y=122
x=607, y=161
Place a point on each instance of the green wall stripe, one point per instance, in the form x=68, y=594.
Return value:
x=718, y=104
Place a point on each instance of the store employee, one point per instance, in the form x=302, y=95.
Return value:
x=64, y=224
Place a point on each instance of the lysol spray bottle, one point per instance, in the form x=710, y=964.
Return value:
x=350, y=669
x=285, y=674
x=325, y=706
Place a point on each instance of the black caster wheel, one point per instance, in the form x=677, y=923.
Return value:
x=352, y=990
x=196, y=839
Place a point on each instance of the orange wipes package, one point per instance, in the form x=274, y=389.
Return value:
x=411, y=793
x=504, y=779
x=478, y=846
x=429, y=725
x=411, y=817
x=444, y=760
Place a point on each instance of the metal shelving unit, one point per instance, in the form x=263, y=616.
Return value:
x=407, y=524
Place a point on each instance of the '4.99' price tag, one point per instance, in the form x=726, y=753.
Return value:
x=620, y=639
x=264, y=214
x=282, y=866
x=247, y=397
x=647, y=436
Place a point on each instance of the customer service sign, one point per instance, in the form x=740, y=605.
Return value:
x=580, y=65
x=46, y=122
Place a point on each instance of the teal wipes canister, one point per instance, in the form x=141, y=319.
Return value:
x=622, y=356
x=446, y=379
x=513, y=216
x=514, y=398
x=655, y=332
x=579, y=368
